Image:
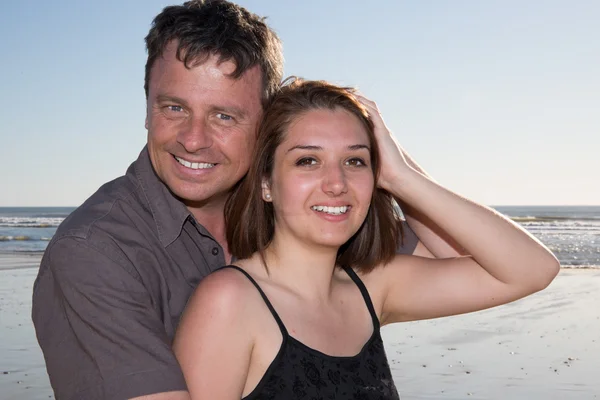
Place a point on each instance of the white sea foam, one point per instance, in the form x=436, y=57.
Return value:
x=28, y=222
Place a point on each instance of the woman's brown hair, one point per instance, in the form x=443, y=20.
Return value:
x=250, y=220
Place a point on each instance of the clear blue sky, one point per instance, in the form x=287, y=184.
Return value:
x=499, y=100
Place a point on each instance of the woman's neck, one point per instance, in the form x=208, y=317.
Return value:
x=304, y=269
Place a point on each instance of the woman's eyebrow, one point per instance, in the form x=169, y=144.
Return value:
x=304, y=147
x=319, y=148
x=359, y=147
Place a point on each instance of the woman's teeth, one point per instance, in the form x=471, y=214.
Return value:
x=331, y=210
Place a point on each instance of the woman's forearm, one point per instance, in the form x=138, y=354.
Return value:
x=501, y=247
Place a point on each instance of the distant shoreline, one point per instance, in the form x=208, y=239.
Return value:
x=20, y=260
x=570, y=232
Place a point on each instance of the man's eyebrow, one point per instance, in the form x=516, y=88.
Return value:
x=319, y=148
x=163, y=98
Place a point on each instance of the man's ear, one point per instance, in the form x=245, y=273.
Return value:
x=266, y=190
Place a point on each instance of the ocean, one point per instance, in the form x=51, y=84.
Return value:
x=29, y=229
x=571, y=232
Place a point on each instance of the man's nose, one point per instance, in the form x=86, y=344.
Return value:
x=195, y=135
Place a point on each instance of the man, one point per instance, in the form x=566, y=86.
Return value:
x=115, y=278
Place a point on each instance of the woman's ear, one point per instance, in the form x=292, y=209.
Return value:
x=266, y=190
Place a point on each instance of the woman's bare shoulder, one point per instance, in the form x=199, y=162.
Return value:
x=226, y=291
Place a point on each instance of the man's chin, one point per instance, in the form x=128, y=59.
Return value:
x=195, y=199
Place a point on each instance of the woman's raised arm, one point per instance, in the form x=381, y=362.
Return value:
x=505, y=262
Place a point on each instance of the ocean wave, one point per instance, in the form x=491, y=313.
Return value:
x=565, y=226
x=546, y=218
x=28, y=252
x=29, y=225
x=22, y=222
x=23, y=238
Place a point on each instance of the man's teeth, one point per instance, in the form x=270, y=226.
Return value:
x=331, y=210
x=194, y=165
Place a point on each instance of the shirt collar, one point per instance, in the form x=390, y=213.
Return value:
x=168, y=212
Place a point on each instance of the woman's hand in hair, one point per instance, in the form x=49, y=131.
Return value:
x=394, y=164
x=396, y=168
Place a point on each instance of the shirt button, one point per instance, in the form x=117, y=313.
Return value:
x=215, y=251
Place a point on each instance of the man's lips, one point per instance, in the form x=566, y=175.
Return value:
x=194, y=165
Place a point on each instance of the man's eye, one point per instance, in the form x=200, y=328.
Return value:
x=224, y=117
x=357, y=162
x=306, y=161
x=175, y=108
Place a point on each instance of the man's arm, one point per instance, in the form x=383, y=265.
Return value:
x=101, y=335
x=433, y=241
x=179, y=395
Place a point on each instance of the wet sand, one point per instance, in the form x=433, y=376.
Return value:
x=546, y=346
x=22, y=371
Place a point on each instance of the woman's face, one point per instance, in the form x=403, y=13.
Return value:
x=322, y=179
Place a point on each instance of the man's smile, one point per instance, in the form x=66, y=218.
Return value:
x=194, y=165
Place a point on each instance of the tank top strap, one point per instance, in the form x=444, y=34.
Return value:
x=264, y=297
x=365, y=295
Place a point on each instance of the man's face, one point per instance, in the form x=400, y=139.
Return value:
x=201, y=126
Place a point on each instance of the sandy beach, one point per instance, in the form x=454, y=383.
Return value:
x=22, y=371
x=546, y=346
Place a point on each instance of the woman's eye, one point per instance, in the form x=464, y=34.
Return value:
x=306, y=161
x=357, y=162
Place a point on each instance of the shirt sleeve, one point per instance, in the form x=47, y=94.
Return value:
x=100, y=333
x=408, y=240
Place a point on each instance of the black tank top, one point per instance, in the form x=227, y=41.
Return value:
x=299, y=372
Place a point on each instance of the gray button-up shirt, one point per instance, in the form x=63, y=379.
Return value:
x=113, y=283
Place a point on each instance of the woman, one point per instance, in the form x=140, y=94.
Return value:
x=314, y=229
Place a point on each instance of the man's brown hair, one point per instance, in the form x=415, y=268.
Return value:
x=202, y=28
